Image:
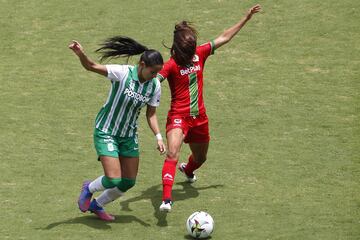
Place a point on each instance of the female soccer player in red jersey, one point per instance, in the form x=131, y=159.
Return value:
x=187, y=120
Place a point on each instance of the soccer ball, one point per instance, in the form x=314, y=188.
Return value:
x=200, y=225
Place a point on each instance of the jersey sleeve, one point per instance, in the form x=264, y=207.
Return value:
x=206, y=49
x=117, y=72
x=165, y=71
x=155, y=100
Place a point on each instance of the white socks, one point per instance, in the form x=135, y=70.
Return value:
x=108, y=196
x=96, y=185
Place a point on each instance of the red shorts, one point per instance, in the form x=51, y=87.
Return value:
x=195, y=129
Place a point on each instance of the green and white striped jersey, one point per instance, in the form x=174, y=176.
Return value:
x=119, y=114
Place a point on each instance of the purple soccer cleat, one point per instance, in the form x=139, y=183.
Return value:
x=85, y=197
x=100, y=212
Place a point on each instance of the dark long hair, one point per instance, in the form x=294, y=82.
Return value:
x=184, y=43
x=120, y=46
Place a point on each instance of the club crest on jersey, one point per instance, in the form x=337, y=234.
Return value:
x=132, y=86
x=195, y=58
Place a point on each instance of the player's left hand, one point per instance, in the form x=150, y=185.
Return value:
x=161, y=147
x=253, y=10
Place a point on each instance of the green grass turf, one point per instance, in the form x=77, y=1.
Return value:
x=282, y=98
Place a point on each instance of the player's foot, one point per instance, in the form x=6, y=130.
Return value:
x=190, y=179
x=100, y=212
x=166, y=205
x=85, y=197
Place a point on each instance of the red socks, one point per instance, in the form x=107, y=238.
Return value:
x=168, y=176
x=191, y=166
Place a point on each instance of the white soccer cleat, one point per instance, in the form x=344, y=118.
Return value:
x=165, y=206
x=188, y=178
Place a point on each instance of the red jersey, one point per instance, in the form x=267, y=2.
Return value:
x=186, y=83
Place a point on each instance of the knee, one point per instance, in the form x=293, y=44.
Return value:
x=108, y=182
x=172, y=154
x=200, y=159
x=126, y=184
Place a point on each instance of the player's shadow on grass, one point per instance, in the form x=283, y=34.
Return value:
x=94, y=222
x=154, y=194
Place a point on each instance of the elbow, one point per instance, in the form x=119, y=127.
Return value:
x=226, y=38
x=89, y=68
x=148, y=116
x=86, y=66
x=150, y=112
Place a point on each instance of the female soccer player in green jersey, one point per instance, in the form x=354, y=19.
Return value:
x=115, y=134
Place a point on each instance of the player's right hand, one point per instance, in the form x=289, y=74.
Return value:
x=76, y=47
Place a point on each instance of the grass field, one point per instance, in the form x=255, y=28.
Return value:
x=282, y=98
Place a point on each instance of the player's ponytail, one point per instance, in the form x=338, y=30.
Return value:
x=120, y=46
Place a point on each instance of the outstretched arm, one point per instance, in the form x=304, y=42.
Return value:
x=228, y=34
x=87, y=63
